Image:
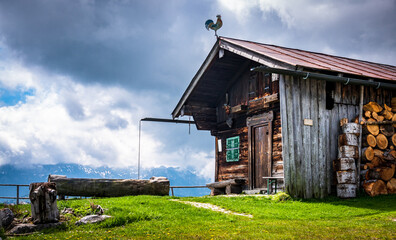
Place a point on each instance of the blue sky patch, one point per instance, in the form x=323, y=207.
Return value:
x=13, y=97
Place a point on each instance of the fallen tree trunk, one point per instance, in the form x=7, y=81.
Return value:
x=88, y=187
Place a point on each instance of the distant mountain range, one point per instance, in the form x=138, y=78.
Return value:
x=10, y=174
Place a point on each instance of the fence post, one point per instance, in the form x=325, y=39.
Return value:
x=17, y=195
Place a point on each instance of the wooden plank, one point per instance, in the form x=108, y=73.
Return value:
x=285, y=133
x=291, y=184
x=322, y=141
x=216, y=177
x=327, y=143
x=306, y=114
x=314, y=137
x=297, y=125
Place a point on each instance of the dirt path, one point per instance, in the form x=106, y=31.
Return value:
x=212, y=207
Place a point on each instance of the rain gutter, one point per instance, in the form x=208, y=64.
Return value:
x=329, y=78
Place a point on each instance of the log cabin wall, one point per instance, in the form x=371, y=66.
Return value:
x=309, y=150
x=249, y=86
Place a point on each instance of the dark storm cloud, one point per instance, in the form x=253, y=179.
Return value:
x=127, y=43
x=360, y=29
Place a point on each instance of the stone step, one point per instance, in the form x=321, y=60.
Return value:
x=255, y=191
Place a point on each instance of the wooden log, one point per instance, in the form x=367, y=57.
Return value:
x=88, y=187
x=375, y=187
x=389, y=155
x=227, y=186
x=393, y=104
x=387, y=108
x=380, y=118
x=368, y=153
x=348, y=139
x=370, y=140
x=394, y=120
x=376, y=162
x=394, y=139
x=387, y=114
x=222, y=184
x=391, y=186
x=382, y=141
x=372, y=107
x=346, y=176
x=367, y=114
x=375, y=116
x=352, y=128
x=372, y=128
x=343, y=121
x=368, y=166
x=348, y=152
x=386, y=173
x=387, y=130
x=344, y=164
x=373, y=174
x=346, y=190
x=378, y=153
x=43, y=202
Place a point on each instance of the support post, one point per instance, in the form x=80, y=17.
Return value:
x=360, y=135
x=17, y=200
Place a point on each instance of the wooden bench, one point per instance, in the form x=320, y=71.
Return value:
x=270, y=181
x=226, y=187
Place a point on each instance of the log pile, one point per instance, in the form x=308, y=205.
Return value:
x=379, y=149
x=348, y=153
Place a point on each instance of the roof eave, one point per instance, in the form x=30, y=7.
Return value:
x=195, y=80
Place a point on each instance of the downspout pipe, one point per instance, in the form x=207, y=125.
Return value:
x=326, y=77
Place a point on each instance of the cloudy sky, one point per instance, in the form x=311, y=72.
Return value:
x=76, y=76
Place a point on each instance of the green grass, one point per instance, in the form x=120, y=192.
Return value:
x=152, y=217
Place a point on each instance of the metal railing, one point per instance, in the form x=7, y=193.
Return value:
x=26, y=185
x=17, y=191
x=172, y=187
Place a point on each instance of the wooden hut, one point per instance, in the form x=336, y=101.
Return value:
x=275, y=111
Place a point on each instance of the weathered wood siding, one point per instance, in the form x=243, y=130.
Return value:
x=308, y=151
x=230, y=170
x=241, y=92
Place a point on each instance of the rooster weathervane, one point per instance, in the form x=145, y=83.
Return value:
x=214, y=26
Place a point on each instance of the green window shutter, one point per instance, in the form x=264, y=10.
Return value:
x=232, y=149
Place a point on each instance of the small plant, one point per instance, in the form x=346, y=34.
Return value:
x=2, y=234
x=281, y=197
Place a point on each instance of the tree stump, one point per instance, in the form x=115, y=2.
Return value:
x=43, y=202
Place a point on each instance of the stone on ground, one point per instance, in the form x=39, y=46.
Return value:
x=92, y=219
x=6, y=217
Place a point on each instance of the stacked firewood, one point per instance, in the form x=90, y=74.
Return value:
x=379, y=149
x=348, y=153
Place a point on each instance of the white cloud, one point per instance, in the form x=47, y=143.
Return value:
x=67, y=122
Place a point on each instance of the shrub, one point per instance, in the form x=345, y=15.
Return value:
x=281, y=197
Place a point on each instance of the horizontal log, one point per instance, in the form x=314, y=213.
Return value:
x=222, y=184
x=89, y=187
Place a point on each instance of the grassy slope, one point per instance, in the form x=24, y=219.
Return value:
x=153, y=217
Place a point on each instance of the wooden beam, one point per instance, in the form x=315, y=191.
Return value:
x=249, y=54
x=212, y=56
x=233, y=80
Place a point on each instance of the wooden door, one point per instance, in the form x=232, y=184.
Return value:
x=260, y=149
x=261, y=158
